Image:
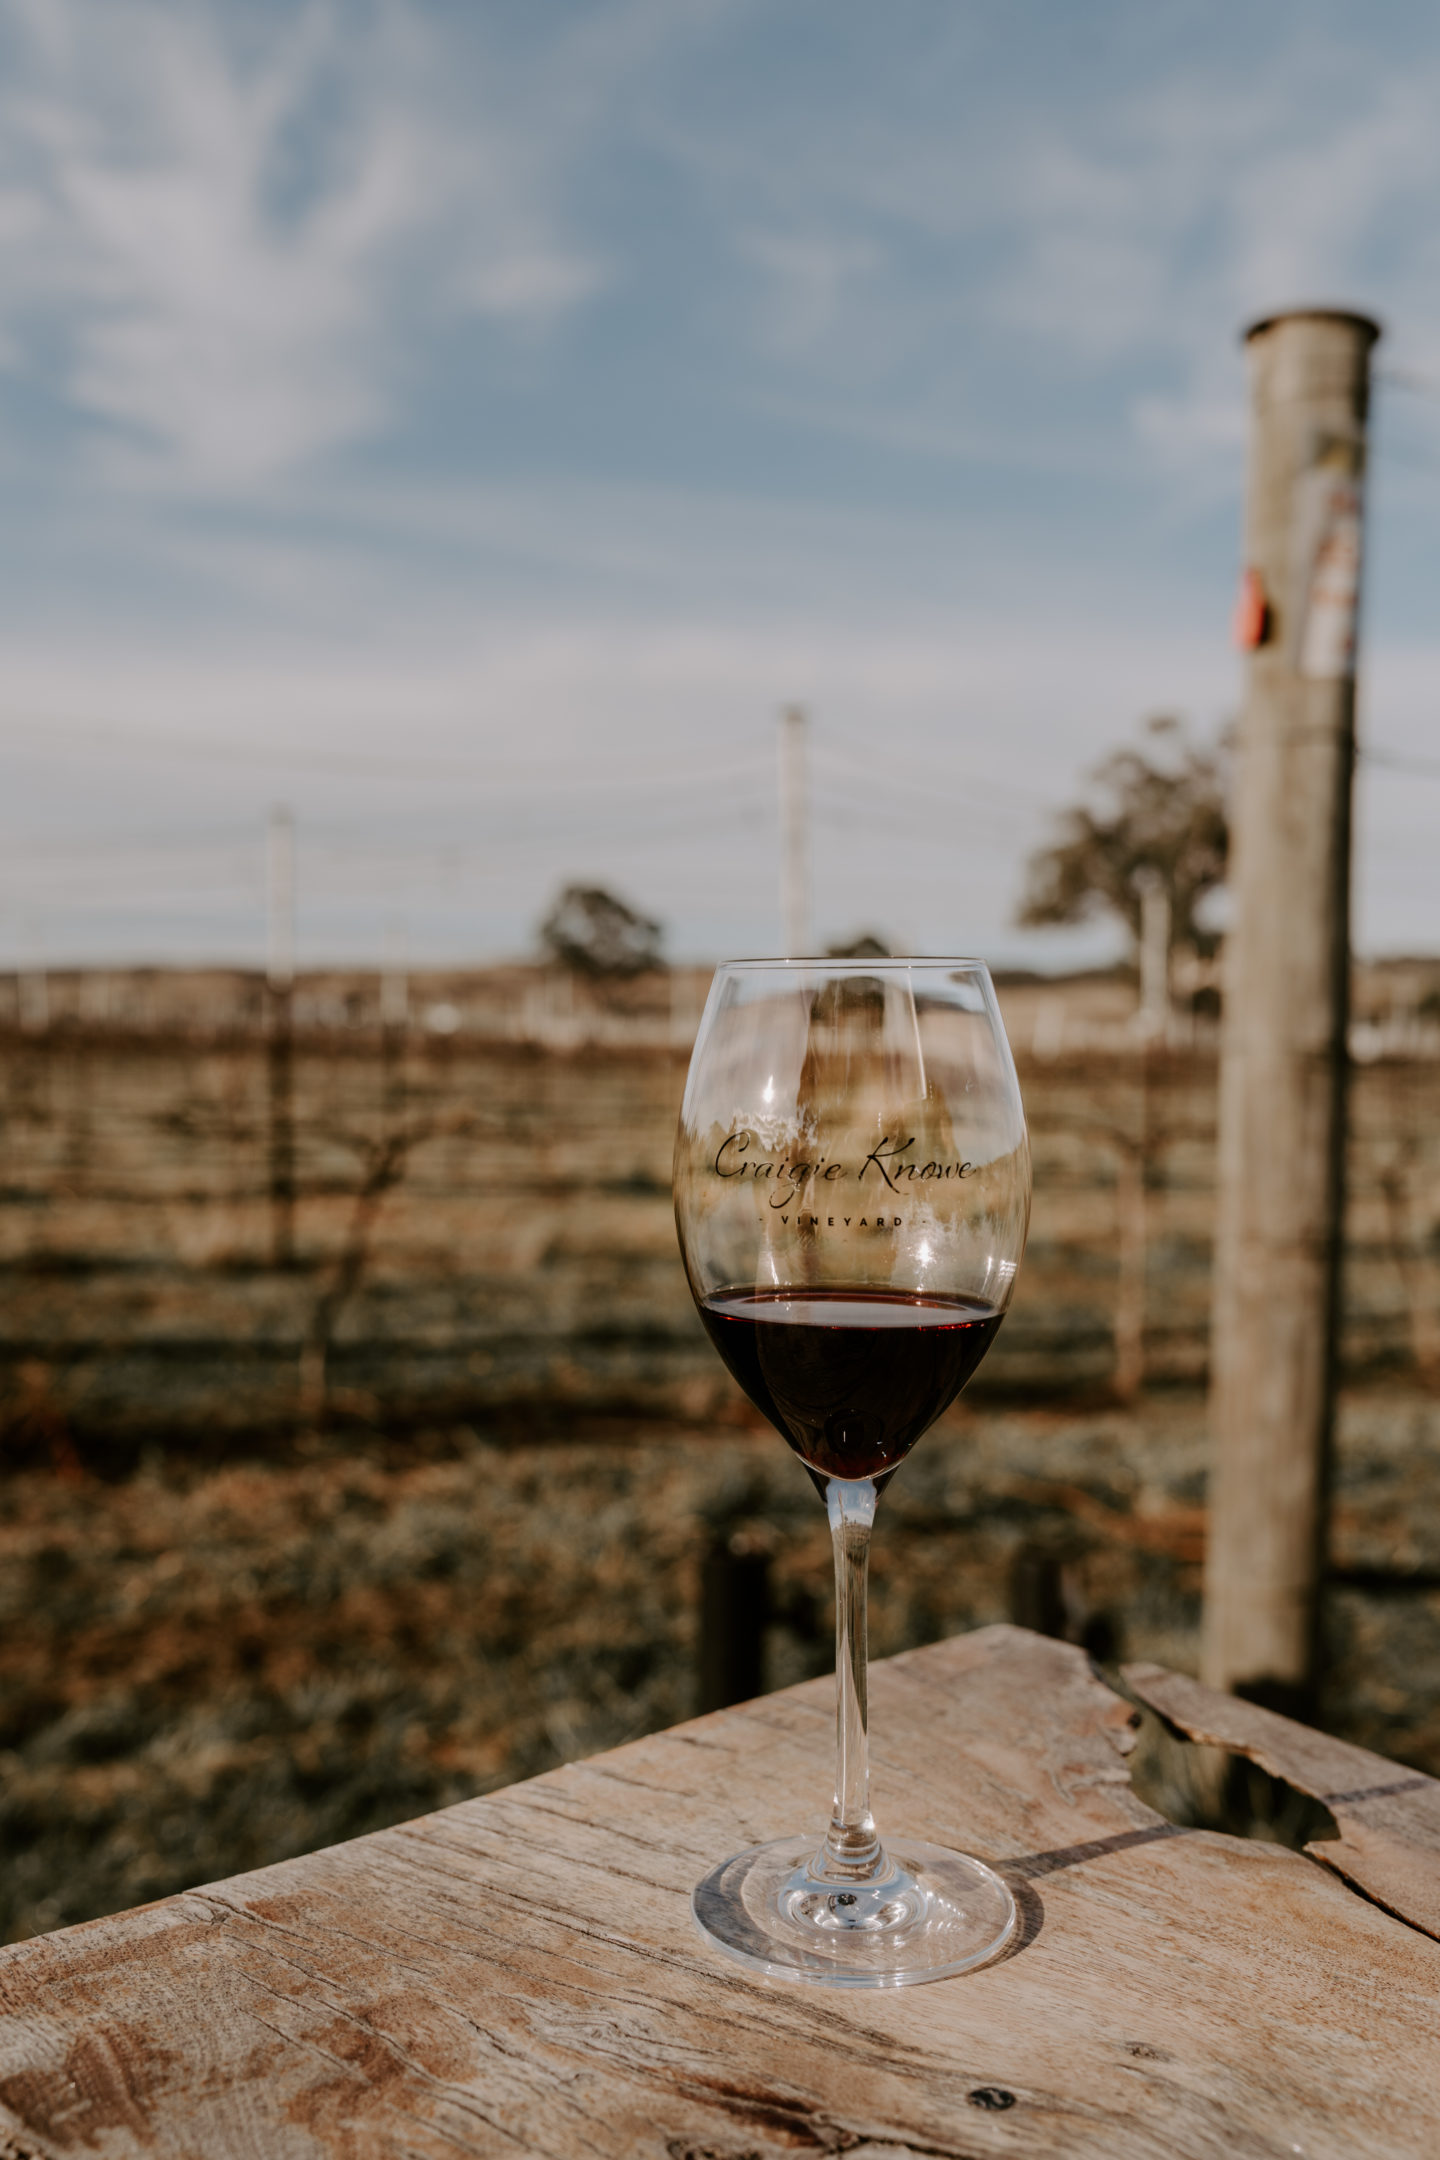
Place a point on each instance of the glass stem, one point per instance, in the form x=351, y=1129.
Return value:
x=851, y=1847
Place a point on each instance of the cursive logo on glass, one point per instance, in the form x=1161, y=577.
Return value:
x=786, y=1178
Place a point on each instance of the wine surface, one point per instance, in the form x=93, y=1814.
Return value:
x=851, y=1378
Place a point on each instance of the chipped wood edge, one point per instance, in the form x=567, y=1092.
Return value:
x=1388, y=1817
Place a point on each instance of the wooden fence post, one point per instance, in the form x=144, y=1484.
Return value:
x=734, y=1610
x=1283, y=1044
x=280, y=1066
x=280, y=895
x=1132, y=1265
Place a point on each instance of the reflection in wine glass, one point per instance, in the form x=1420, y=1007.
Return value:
x=852, y=1193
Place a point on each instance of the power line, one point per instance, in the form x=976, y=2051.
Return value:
x=166, y=853
x=1399, y=761
x=271, y=756
x=832, y=746
x=876, y=773
x=1410, y=379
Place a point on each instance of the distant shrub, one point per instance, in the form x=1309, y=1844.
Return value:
x=597, y=933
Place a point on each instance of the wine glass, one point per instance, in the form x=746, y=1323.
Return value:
x=852, y=1193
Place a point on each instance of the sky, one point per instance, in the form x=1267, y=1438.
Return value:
x=468, y=425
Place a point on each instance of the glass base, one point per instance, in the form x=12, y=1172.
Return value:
x=928, y=1915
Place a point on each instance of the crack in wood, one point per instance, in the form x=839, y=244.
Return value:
x=1390, y=1859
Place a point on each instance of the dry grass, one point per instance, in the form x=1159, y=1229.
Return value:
x=204, y=1669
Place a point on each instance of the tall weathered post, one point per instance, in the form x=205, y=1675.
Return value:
x=1283, y=1042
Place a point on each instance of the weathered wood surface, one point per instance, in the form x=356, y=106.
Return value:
x=518, y=1974
x=1388, y=1817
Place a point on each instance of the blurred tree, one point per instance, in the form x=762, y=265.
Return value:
x=1160, y=817
x=597, y=933
x=864, y=947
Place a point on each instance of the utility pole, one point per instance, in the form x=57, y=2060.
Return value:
x=280, y=977
x=795, y=889
x=1283, y=1040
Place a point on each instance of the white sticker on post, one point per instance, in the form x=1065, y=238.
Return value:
x=1329, y=526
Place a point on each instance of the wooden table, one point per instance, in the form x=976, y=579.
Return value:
x=518, y=1974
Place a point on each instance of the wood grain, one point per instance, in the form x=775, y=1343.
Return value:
x=518, y=1975
x=1388, y=1817
x=1280, y=1158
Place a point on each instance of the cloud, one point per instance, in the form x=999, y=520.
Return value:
x=1206, y=196
x=1111, y=233
x=223, y=246
x=232, y=238
x=532, y=287
x=810, y=283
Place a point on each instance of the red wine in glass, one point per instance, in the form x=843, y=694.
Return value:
x=852, y=1192
x=850, y=1376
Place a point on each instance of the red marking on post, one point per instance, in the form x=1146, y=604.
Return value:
x=1251, y=625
